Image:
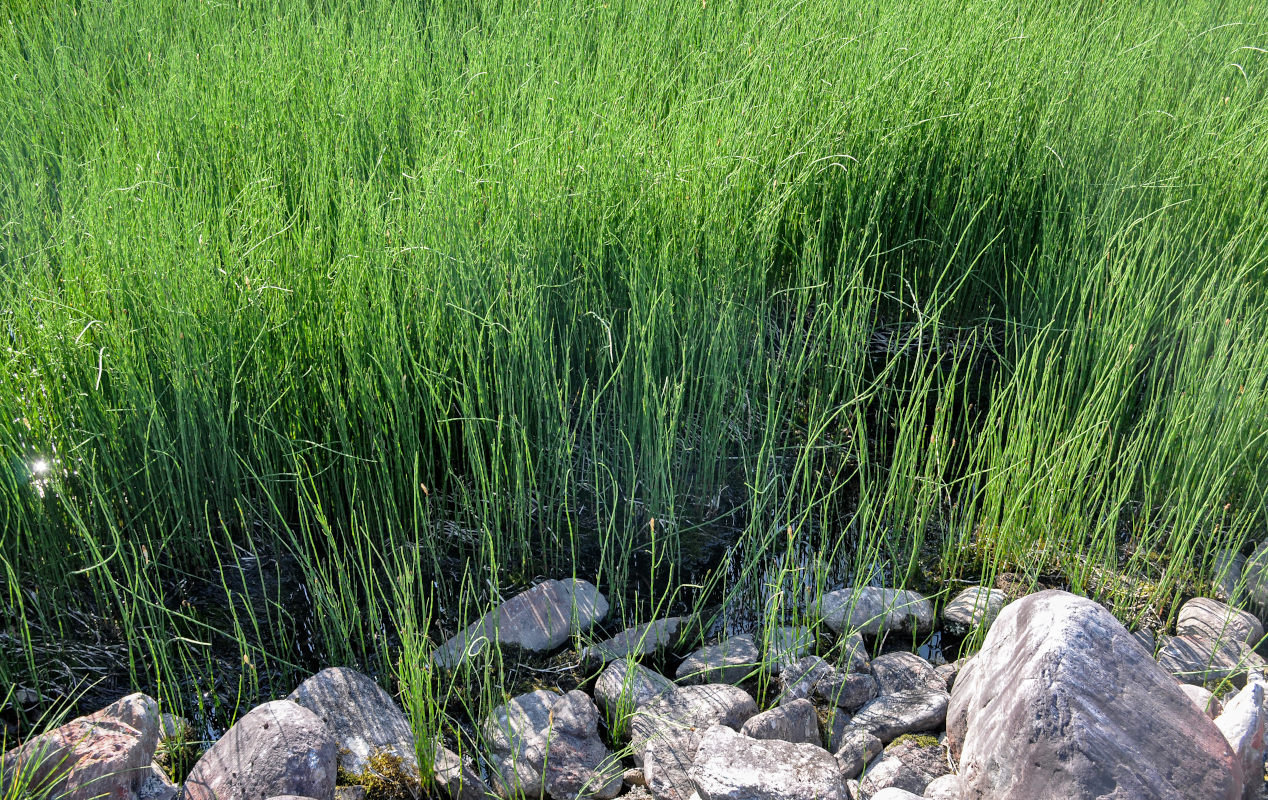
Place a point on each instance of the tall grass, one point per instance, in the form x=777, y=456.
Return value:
x=411, y=303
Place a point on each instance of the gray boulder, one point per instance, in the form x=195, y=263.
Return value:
x=105, y=754
x=873, y=611
x=796, y=722
x=1242, y=724
x=855, y=749
x=1209, y=661
x=624, y=686
x=977, y=606
x=731, y=766
x=729, y=661
x=913, y=711
x=797, y=681
x=1204, y=618
x=665, y=733
x=898, y=672
x=278, y=748
x=363, y=719
x=548, y=744
x=1054, y=704
x=848, y=690
x=537, y=620
x=640, y=640
x=908, y=764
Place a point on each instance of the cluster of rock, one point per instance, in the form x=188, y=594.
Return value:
x=1060, y=702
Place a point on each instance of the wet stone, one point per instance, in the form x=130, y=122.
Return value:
x=873, y=611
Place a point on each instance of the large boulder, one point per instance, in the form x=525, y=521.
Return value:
x=873, y=611
x=1205, y=618
x=537, y=620
x=640, y=640
x=106, y=754
x=729, y=661
x=732, y=766
x=364, y=720
x=1062, y=703
x=278, y=748
x=545, y=743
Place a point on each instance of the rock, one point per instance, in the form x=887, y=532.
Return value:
x=302, y=797
x=455, y=779
x=947, y=672
x=1054, y=704
x=872, y=611
x=1203, y=699
x=898, y=672
x=731, y=766
x=852, y=656
x=796, y=722
x=913, y=711
x=835, y=723
x=350, y=793
x=1227, y=570
x=971, y=608
x=797, y=681
x=174, y=727
x=1204, y=618
x=1242, y=724
x=106, y=754
x=856, y=749
x=786, y=645
x=1146, y=640
x=1209, y=661
x=908, y=764
x=945, y=788
x=547, y=743
x=156, y=785
x=538, y=620
x=846, y=690
x=362, y=718
x=665, y=732
x=689, y=709
x=624, y=686
x=278, y=748
x=1255, y=575
x=640, y=640
x=730, y=661
x=894, y=793
x=634, y=777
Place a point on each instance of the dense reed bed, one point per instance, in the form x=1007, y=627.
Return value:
x=326, y=324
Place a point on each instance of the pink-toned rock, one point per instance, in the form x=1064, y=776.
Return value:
x=278, y=748
x=103, y=756
x=1205, y=618
x=1063, y=704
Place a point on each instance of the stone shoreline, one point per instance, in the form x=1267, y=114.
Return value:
x=1061, y=701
